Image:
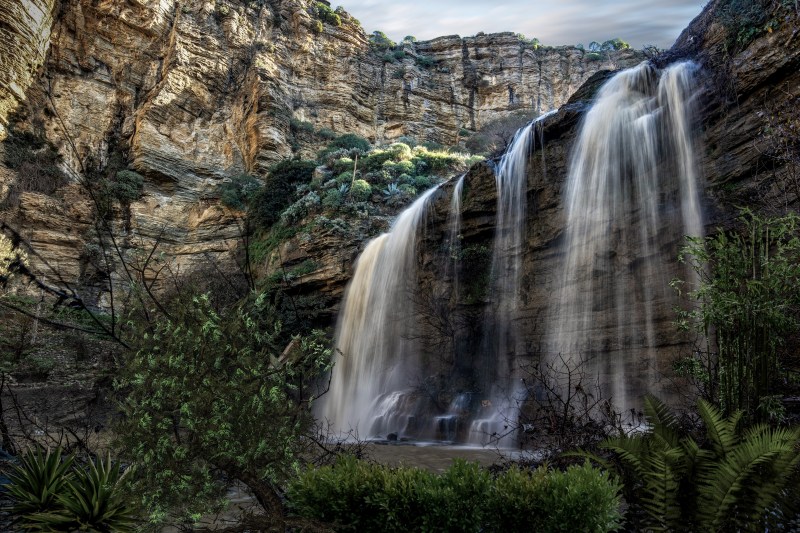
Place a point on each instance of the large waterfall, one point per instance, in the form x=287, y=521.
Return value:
x=376, y=357
x=631, y=196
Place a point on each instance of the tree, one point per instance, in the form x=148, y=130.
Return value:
x=747, y=303
x=207, y=401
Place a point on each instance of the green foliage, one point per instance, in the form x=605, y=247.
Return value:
x=361, y=496
x=348, y=141
x=379, y=41
x=36, y=483
x=736, y=480
x=327, y=15
x=747, y=299
x=237, y=192
x=300, y=209
x=93, y=501
x=426, y=62
x=409, y=39
x=54, y=495
x=207, y=401
x=127, y=186
x=581, y=499
x=361, y=191
x=278, y=190
x=745, y=20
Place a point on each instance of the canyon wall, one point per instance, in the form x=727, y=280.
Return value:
x=191, y=93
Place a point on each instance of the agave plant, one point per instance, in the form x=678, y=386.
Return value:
x=391, y=190
x=91, y=502
x=37, y=482
x=737, y=480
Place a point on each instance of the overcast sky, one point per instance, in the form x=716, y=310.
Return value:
x=638, y=22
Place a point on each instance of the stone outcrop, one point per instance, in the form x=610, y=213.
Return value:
x=24, y=38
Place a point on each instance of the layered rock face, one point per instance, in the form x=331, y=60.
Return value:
x=24, y=38
x=191, y=93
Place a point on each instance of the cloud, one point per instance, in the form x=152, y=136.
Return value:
x=638, y=22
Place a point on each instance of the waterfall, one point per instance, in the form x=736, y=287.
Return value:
x=375, y=359
x=632, y=194
x=501, y=348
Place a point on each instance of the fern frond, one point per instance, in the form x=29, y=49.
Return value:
x=721, y=432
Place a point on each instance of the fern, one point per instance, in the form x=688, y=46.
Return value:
x=734, y=481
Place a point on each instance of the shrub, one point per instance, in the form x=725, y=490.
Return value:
x=360, y=496
x=37, y=163
x=278, y=190
x=237, y=192
x=327, y=15
x=346, y=142
x=378, y=40
x=580, y=499
x=425, y=62
x=300, y=209
x=361, y=191
x=334, y=198
x=748, y=300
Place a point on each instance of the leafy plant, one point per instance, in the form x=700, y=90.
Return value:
x=736, y=480
x=36, y=483
x=360, y=190
x=361, y=496
x=278, y=191
x=207, y=400
x=747, y=303
x=93, y=501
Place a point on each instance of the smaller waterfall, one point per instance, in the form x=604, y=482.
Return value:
x=376, y=361
x=504, y=392
x=454, y=238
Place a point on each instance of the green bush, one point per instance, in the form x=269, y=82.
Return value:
x=379, y=41
x=580, y=499
x=361, y=191
x=278, y=190
x=359, y=496
x=343, y=145
x=237, y=192
x=327, y=15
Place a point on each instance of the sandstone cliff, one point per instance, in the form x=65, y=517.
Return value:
x=191, y=93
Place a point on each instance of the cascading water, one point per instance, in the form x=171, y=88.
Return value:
x=501, y=349
x=631, y=197
x=376, y=359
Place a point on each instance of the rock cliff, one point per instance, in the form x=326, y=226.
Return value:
x=190, y=93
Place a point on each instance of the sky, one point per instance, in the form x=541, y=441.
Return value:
x=638, y=22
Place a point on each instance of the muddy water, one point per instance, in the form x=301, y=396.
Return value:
x=433, y=457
